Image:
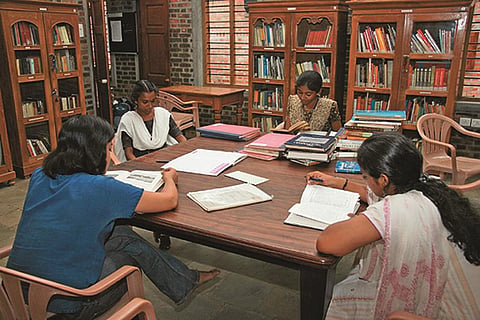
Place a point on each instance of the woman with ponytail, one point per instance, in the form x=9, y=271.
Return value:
x=419, y=240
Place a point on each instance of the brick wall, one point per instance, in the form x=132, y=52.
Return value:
x=467, y=146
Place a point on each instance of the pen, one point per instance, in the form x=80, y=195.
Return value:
x=316, y=179
x=162, y=161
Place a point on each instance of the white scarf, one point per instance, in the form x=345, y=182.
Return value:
x=133, y=124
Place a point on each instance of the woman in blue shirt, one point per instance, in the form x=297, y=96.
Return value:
x=67, y=231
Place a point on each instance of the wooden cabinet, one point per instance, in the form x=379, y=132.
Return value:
x=43, y=81
x=406, y=55
x=6, y=169
x=287, y=38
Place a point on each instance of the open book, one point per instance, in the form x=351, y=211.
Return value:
x=229, y=197
x=294, y=128
x=321, y=206
x=147, y=180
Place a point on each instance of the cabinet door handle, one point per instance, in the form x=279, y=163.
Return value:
x=405, y=62
x=53, y=61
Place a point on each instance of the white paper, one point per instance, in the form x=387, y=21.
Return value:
x=246, y=177
x=208, y=162
x=116, y=31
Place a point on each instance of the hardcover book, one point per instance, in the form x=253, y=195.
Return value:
x=313, y=142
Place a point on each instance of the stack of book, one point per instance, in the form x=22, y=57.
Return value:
x=366, y=123
x=267, y=147
x=229, y=132
x=310, y=148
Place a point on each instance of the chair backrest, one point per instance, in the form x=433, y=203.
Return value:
x=435, y=127
x=12, y=303
x=175, y=104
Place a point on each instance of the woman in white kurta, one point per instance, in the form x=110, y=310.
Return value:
x=407, y=262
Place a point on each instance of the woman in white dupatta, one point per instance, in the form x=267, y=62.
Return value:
x=147, y=128
x=410, y=237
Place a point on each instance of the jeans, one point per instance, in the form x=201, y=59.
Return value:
x=125, y=247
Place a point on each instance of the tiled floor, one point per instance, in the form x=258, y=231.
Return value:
x=246, y=288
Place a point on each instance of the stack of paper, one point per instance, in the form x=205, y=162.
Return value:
x=229, y=132
x=147, y=180
x=321, y=206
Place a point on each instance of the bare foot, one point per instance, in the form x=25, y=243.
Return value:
x=205, y=276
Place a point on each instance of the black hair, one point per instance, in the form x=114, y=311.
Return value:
x=142, y=86
x=81, y=147
x=312, y=79
x=395, y=156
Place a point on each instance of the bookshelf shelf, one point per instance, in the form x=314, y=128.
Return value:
x=45, y=85
x=422, y=45
x=313, y=38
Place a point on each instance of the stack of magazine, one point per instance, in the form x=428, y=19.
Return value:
x=309, y=148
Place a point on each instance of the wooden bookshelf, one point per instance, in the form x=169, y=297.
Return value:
x=406, y=55
x=6, y=168
x=287, y=38
x=44, y=88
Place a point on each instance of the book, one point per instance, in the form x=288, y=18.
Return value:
x=395, y=115
x=294, y=128
x=271, y=141
x=147, y=180
x=208, y=162
x=308, y=155
x=345, y=166
x=312, y=142
x=229, y=132
x=228, y=197
x=323, y=205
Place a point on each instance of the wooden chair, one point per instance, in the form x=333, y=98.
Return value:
x=12, y=305
x=441, y=156
x=187, y=114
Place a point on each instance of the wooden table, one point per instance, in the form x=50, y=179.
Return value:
x=216, y=97
x=257, y=230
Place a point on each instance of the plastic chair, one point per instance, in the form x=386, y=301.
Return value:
x=188, y=115
x=12, y=304
x=441, y=156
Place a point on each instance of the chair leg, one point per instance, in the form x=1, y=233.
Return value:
x=163, y=240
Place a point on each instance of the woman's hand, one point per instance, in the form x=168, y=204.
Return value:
x=317, y=177
x=170, y=173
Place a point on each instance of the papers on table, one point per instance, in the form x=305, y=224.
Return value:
x=208, y=162
x=147, y=180
x=323, y=204
x=228, y=197
x=246, y=177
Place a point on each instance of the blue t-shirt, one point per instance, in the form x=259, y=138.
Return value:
x=65, y=223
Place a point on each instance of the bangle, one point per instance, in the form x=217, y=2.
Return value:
x=345, y=184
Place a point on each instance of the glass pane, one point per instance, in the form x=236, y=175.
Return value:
x=63, y=34
x=433, y=37
x=376, y=73
x=68, y=93
x=379, y=37
x=28, y=62
x=65, y=60
x=33, y=98
x=25, y=34
x=314, y=33
x=38, y=139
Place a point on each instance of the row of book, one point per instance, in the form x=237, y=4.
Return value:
x=268, y=99
x=370, y=101
x=423, y=42
x=269, y=35
x=37, y=147
x=365, y=123
x=268, y=67
x=266, y=123
x=62, y=34
x=319, y=38
x=380, y=39
x=28, y=65
x=25, y=34
x=428, y=76
x=65, y=61
x=70, y=102
x=318, y=66
x=419, y=106
x=33, y=108
x=374, y=73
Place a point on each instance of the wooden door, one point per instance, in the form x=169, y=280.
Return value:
x=103, y=108
x=154, y=53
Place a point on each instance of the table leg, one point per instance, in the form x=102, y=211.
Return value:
x=217, y=111
x=316, y=286
x=239, y=112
